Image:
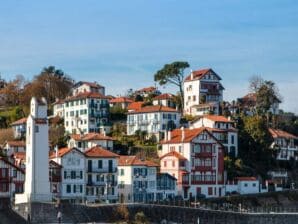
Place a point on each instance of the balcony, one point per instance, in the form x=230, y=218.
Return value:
x=202, y=168
x=4, y=179
x=55, y=178
x=203, y=154
x=103, y=170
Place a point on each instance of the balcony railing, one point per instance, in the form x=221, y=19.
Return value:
x=102, y=170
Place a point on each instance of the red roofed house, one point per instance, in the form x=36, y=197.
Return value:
x=101, y=175
x=165, y=99
x=200, y=168
x=11, y=179
x=153, y=119
x=11, y=147
x=72, y=162
x=147, y=91
x=222, y=128
x=86, y=141
x=19, y=128
x=122, y=102
x=285, y=143
x=87, y=110
x=135, y=106
x=137, y=179
x=203, y=92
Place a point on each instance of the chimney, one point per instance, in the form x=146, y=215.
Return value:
x=191, y=74
x=182, y=134
x=169, y=135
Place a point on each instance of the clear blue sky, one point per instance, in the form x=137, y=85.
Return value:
x=121, y=44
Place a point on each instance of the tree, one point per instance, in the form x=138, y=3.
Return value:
x=140, y=218
x=255, y=82
x=173, y=74
x=267, y=95
x=13, y=90
x=6, y=135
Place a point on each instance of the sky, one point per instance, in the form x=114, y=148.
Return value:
x=121, y=44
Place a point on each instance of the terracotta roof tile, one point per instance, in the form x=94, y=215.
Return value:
x=90, y=136
x=62, y=152
x=175, y=154
x=135, y=161
x=217, y=118
x=86, y=95
x=151, y=109
x=121, y=100
x=20, y=121
x=16, y=143
x=147, y=89
x=135, y=106
x=246, y=178
x=277, y=133
x=99, y=152
x=164, y=96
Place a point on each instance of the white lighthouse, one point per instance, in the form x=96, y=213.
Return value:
x=37, y=185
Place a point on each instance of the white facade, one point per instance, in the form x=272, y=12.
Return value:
x=136, y=180
x=244, y=185
x=153, y=120
x=101, y=175
x=11, y=147
x=83, y=87
x=203, y=171
x=58, y=108
x=87, y=141
x=37, y=185
x=222, y=128
x=19, y=128
x=200, y=88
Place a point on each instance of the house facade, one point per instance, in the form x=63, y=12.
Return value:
x=203, y=92
x=19, y=128
x=137, y=179
x=222, y=128
x=284, y=142
x=202, y=169
x=153, y=120
x=87, y=141
x=101, y=171
x=121, y=102
x=11, y=147
x=165, y=99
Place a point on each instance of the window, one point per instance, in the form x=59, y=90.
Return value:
x=68, y=188
x=245, y=185
x=232, y=139
x=14, y=173
x=254, y=184
x=99, y=164
x=121, y=172
x=210, y=191
x=173, y=163
x=165, y=163
x=193, y=98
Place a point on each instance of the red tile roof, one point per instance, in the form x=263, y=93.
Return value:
x=99, y=152
x=199, y=74
x=90, y=137
x=277, y=133
x=135, y=106
x=20, y=121
x=134, y=161
x=217, y=118
x=246, y=178
x=16, y=143
x=164, y=96
x=147, y=89
x=151, y=109
x=189, y=135
x=175, y=154
x=121, y=100
x=86, y=95
x=62, y=152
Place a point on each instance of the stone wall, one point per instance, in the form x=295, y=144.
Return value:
x=47, y=212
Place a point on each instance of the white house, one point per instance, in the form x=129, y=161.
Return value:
x=145, y=92
x=19, y=128
x=102, y=175
x=86, y=112
x=11, y=147
x=137, y=179
x=197, y=163
x=83, y=87
x=165, y=99
x=153, y=120
x=222, y=128
x=87, y=141
x=203, y=92
x=121, y=102
x=58, y=108
x=284, y=142
x=73, y=184
x=243, y=185
x=11, y=179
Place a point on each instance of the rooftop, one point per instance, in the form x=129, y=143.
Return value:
x=90, y=136
x=277, y=133
x=151, y=109
x=99, y=152
x=135, y=161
